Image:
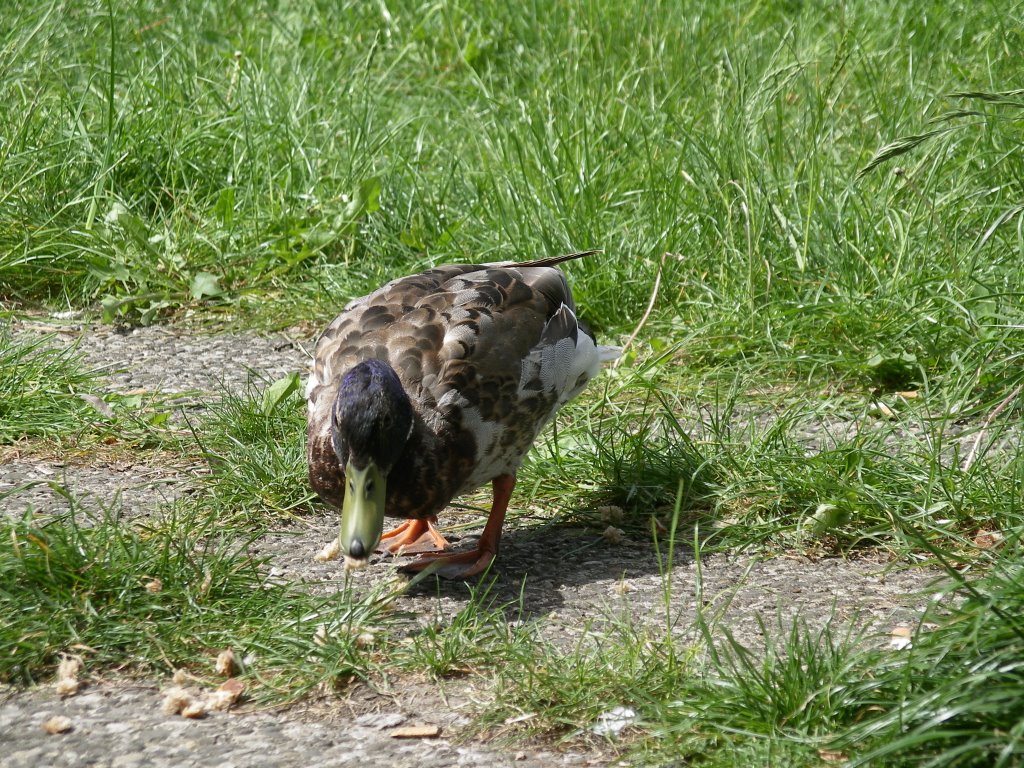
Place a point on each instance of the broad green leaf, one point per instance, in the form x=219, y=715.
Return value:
x=225, y=207
x=279, y=391
x=204, y=284
x=109, y=305
x=365, y=200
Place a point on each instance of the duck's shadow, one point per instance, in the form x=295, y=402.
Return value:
x=539, y=567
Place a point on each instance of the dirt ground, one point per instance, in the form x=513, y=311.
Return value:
x=570, y=579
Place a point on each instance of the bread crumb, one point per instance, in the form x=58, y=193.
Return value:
x=330, y=551
x=881, y=410
x=227, y=693
x=320, y=637
x=232, y=688
x=614, y=535
x=67, y=686
x=225, y=666
x=58, y=724
x=67, y=676
x=901, y=638
x=69, y=668
x=352, y=564
x=194, y=710
x=365, y=639
x=621, y=587
x=219, y=701
x=175, y=700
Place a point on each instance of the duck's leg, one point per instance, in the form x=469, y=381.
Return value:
x=413, y=536
x=464, y=564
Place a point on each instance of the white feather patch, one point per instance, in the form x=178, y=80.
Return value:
x=562, y=368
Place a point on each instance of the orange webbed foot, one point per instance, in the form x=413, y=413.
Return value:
x=413, y=536
x=462, y=565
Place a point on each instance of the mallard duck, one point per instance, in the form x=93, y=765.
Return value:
x=434, y=385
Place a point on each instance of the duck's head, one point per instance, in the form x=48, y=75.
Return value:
x=372, y=419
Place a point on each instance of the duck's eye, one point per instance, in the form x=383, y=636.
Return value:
x=369, y=487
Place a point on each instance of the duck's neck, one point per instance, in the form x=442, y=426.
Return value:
x=429, y=472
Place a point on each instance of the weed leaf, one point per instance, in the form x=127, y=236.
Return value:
x=204, y=284
x=279, y=391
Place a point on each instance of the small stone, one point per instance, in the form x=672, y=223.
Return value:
x=381, y=720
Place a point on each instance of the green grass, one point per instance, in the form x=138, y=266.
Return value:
x=952, y=698
x=252, y=445
x=41, y=389
x=832, y=195
x=960, y=685
x=49, y=398
x=161, y=597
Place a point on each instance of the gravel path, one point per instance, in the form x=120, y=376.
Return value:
x=122, y=726
x=590, y=584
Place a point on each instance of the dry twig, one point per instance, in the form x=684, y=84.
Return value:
x=647, y=312
x=988, y=422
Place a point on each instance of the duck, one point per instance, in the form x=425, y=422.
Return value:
x=432, y=386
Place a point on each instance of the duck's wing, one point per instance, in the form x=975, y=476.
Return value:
x=419, y=322
x=512, y=353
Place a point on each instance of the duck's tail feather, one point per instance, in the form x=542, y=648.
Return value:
x=550, y=261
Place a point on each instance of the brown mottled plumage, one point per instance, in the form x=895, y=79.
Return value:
x=486, y=354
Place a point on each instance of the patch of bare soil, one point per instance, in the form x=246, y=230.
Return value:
x=122, y=724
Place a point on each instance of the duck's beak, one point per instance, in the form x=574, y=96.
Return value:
x=362, y=512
